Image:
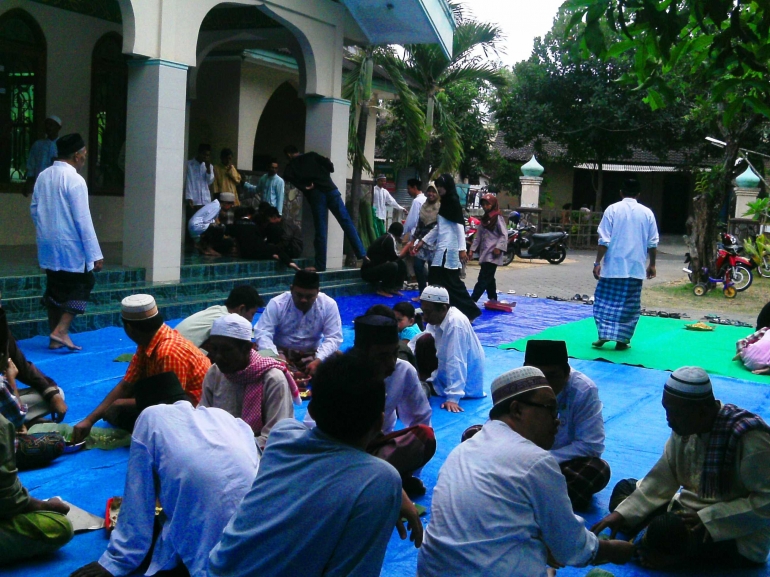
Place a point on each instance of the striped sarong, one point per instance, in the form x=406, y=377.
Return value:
x=617, y=306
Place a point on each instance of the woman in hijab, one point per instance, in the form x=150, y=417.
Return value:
x=449, y=239
x=491, y=241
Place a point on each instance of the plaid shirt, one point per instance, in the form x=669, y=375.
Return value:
x=170, y=351
x=750, y=340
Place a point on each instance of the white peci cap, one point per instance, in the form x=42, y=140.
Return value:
x=233, y=326
x=138, y=307
x=435, y=294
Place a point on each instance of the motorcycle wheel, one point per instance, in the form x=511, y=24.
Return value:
x=741, y=277
x=508, y=258
x=764, y=267
x=557, y=255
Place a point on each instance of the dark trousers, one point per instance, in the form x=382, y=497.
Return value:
x=458, y=293
x=214, y=236
x=390, y=274
x=421, y=272
x=486, y=282
x=321, y=203
x=29, y=374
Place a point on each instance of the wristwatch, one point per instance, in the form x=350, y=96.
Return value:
x=597, y=264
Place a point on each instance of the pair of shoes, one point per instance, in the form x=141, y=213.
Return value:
x=530, y=295
x=577, y=297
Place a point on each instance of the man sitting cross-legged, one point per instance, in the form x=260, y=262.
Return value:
x=580, y=441
x=303, y=325
x=257, y=389
x=408, y=449
x=243, y=300
x=500, y=506
x=449, y=337
x=321, y=488
x=197, y=464
x=160, y=349
x=707, y=500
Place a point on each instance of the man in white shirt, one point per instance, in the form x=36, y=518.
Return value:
x=627, y=236
x=198, y=176
x=408, y=449
x=580, y=441
x=303, y=326
x=243, y=300
x=43, y=152
x=199, y=464
x=67, y=247
x=381, y=201
x=205, y=229
x=414, y=188
x=460, y=371
x=500, y=505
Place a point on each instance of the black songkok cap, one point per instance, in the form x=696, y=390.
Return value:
x=375, y=330
x=162, y=389
x=542, y=353
x=69, y=144
x=306, y=279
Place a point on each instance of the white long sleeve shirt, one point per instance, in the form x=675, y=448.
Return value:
x=382, y=200
x=284, y=325
x=581, y=432
x=405, y=399
x=460, y=371
x=204, y=217
x=628, y=230
x=500, y=504
x=197, y=181
x=66, y=239
x=172, y=451
x=449, y=238
x=413, y=218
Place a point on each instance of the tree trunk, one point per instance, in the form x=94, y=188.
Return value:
x=599, y=188
x=358, y=169
x=425, y=166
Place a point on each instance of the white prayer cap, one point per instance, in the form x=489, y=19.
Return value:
x=691, y=383
x=55, y=118
x=226, y=197
x=435, y=294
x=233, y=326
x=138, y=307
x=515, y=382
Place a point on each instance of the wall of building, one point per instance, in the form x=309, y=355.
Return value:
x=68, y=95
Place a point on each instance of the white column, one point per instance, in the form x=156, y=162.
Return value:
x=743, y=196
x=530, y=191
x=326, y=133
x=155, y=154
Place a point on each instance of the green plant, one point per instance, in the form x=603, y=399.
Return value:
x=759, y=210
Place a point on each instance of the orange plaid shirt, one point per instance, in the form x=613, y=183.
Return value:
x=170, y=351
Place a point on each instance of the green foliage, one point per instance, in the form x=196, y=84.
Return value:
x=759, y=210
x=504, y=174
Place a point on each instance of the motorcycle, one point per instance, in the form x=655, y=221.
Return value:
x=730, y=266
x=549, y=245
x=472, y=224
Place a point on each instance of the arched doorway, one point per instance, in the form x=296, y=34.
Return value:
x=22, y=92
x=282, y=123
x=109, y=91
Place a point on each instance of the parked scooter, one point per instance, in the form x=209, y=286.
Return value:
x=525, y=243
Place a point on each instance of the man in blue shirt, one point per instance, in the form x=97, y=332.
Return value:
x=320, y=488
x=270, y=187
x=42, y=152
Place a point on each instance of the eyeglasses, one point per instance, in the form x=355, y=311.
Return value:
x=553, y=409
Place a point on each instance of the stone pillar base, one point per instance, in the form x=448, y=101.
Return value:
x=530, y=191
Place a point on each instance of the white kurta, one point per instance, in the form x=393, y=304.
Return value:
x=449, y=239
x=405, y=399
x=627, y=229
x=66, y=239
x=382, y=200
x=581, y=432
x=197, y=181
x=172, y=451
x=499, y=504
x=284, y=325
x=413, y=218
x=203, y=218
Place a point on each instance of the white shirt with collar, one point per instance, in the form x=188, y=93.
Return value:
x=581, y=432
x=197, y=181
x=382, y=200
x=405, y=398
x=460, y=371
x=66, y=239
x=628, y=230
x=284, y=325
x=413, y=218
x=449, y=239
x=203, y=218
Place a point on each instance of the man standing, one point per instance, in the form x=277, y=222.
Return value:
x=310, y=173
x=627, y=234
x=500, y=505
x=410, y=448
x=381, y=201
x=449, y=333
x=320, y=484
x=199, y=174
x=270, y=187
x=707, y=500
x=226, y=177
x=173, y=447
x=303, y=325
x=160, y=349
x=42, y=153
x=414, y=188
x=67, y=247
x=580, y=441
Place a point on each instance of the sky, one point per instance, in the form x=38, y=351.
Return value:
x=521, y=21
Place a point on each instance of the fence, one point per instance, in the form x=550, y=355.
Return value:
x=581, y=226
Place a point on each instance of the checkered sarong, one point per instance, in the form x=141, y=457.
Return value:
x=617, y=306
x=585, y=476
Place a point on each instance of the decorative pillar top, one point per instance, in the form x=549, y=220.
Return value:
x=747, y=179
x=532, y=168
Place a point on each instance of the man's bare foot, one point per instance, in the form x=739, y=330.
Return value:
x=210, y=252
x=382, y=293
x=65, y=341
x=53, y=345
x=294, y=266
x=275, y=257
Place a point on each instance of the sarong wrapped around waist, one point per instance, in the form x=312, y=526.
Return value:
x=68, y=291
x=617, y=306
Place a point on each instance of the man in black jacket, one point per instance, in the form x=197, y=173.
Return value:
x=309, y=172
x=385, y=266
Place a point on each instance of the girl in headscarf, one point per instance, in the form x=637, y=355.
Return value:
x=449, y=238
x=491, y=241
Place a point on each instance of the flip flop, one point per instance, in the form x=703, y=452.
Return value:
x=622, y=346
x=577, y=297
x=511, y=292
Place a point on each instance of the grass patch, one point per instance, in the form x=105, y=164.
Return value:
x=678, y=295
